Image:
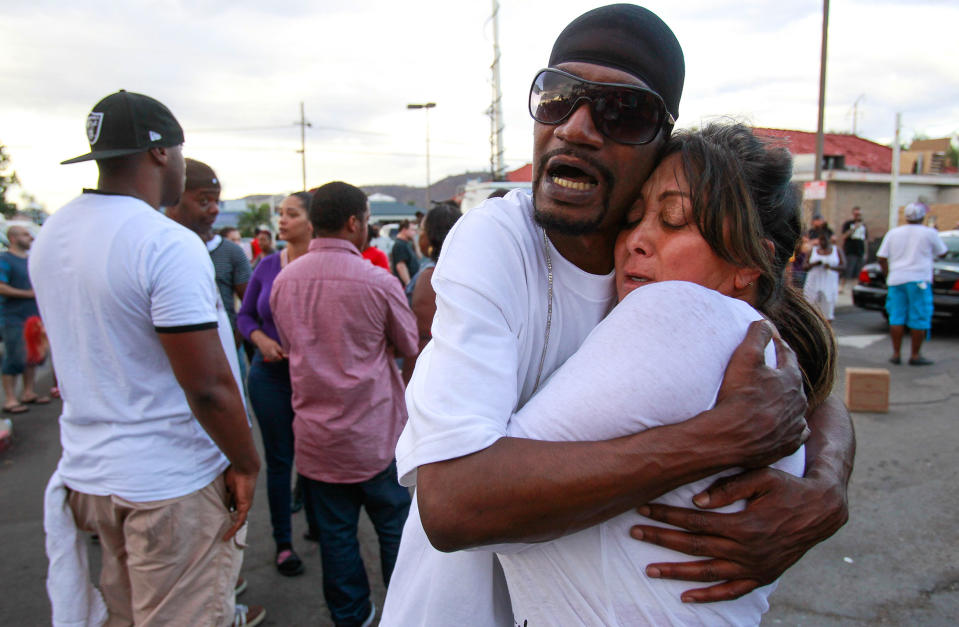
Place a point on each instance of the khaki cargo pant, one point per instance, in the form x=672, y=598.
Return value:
x=164, y=562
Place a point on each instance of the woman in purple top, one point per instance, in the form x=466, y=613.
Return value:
x=269, y=380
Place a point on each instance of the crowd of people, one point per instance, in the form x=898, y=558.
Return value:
x=825, y=263
x=510, y=365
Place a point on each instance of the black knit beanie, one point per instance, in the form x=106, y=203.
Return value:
x=629, y=38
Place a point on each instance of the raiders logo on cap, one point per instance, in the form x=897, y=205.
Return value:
x=94, y=124
x=126, y=123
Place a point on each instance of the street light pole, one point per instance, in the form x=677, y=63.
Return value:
x=427, y=106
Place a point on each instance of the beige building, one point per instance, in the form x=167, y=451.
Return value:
x=857, y=172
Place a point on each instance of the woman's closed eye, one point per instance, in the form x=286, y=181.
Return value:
x=673, y=215
x=634, y=217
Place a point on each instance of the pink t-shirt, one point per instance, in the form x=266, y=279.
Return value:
x=337, y=315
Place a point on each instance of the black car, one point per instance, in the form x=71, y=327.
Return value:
x=870, y=292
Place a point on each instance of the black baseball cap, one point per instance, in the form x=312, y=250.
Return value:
x=126, y=123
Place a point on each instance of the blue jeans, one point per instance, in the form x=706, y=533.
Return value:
x=337, y=510
x=271, y=398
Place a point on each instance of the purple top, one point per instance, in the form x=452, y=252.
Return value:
x=255, y=310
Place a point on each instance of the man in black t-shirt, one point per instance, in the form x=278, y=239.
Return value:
x=403, y=256
x=854, y=239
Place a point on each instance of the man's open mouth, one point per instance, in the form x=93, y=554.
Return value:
x=571, y=177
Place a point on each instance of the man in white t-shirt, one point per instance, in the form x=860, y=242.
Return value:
x=157, y=457
x=504, y=324
x=905, y=256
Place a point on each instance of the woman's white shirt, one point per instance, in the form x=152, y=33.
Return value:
x=657, y=359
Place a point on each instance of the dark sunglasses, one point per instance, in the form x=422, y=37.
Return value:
x=627, y=114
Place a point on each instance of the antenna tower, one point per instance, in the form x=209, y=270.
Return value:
x=497, y=169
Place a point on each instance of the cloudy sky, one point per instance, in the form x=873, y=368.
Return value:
x=235, y=71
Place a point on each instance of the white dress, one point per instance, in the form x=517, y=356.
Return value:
x=822, y=283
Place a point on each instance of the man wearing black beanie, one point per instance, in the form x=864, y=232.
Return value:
x=603, y=107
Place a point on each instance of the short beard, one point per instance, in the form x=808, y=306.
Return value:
x=563, y=226
x=566, y=226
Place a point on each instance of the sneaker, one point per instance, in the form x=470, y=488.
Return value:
x=240, y=587
x=248, y=616
x=289, y=563
x=369, y=619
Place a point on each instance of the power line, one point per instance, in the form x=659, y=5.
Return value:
x=371, y=153
x=236, y=129
x=241, y=129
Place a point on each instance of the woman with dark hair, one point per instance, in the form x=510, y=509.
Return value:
x=703, y=255
x=271, y=395
x=436, y=226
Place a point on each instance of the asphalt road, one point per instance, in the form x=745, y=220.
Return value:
x=895, y=562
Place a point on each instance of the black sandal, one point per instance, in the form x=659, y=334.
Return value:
x=288, y=563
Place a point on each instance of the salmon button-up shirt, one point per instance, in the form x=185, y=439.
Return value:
x=337, y=315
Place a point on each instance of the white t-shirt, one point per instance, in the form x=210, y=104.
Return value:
x=911, y=249
x=491, y=295
x=110, y=272
x=657, y=359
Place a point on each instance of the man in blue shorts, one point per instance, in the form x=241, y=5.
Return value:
x=18, y=304
x=906, y=255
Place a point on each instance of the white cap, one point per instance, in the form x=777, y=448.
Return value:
x=916, y=211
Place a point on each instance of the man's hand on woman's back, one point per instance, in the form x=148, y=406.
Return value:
x=759, y=416
x=784, y=516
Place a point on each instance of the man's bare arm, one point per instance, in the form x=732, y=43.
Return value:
x=403, y=272
x=202, y=370
x=15, y=292
x=785, y=516
x=521, y=490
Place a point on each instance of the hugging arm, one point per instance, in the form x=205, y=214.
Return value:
x=479, y=499
x=785, y=516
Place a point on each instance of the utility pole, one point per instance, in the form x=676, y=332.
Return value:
x=426, y=106
x=495, y=110
x=822, y=98
x=303, y=124
x=894, y=186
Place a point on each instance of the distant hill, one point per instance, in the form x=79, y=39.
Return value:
x=439, y=190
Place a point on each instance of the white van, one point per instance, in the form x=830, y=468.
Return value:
x=478, y=191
